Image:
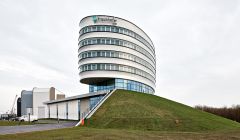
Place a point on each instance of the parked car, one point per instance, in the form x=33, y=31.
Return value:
x=26, y=118
x=7, y=116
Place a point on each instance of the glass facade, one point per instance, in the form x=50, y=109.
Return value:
x=94, y=100
x=115, y=29
x=121, y=84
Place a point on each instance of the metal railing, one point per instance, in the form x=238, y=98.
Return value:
x=89, y=112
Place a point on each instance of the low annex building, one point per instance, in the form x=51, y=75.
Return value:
x=75, y=107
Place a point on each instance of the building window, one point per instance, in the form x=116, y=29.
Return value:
x=114, y=29
x=121, y=84
x=118, y=42
x=94, y=101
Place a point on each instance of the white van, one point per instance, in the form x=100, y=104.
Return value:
x=25, y=118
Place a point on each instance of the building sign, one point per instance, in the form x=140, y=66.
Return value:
x=109, y=20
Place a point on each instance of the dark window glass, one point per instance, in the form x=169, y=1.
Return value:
x=116, y=54
x=89, y=67
x=94, y=41
x=103, y=54
x=112, y=54
x=117, y=42
x=98, y=66
x=98, y=54
x=107, y=28
x=107, y=66
x=102, y=41
x=98, y=28
x=117, y=29
x=89, y=41
x=102, y=28
x=108, y=41
x=120, y=42
x=94, y=28
x=112, y=41
x=107, y=54
x=89, y=54
x=98, y=41
x=93, y=67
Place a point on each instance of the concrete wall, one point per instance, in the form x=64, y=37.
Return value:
x=60, y=96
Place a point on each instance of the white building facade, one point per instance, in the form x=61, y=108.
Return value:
x=75, y=107
x=115, y=53
x=33, y=101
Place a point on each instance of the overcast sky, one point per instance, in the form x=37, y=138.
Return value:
x=197, y=46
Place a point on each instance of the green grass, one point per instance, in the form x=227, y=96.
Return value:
x=131, y=115
x=83, y=133
x=12, y=123
x=138, y=111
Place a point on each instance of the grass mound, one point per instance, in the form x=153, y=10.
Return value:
x=138, y=111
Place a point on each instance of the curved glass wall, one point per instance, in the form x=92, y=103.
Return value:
x=115, y=54
x=114, y=41
x=116, y=67
x=115, y=29
x=121, y=84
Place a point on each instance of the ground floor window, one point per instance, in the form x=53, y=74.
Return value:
x=121, y=84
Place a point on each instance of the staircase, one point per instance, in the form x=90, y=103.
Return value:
x=89, y=113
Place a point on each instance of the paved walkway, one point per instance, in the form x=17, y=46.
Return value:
x=30, y=128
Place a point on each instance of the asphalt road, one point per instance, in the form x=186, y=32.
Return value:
x=37, y=127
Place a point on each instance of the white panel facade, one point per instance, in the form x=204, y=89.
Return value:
x=39, y=97
x=73, y=110
x=62, y=112
x=53, y=111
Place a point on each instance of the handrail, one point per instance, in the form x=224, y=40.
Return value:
x=94, y=109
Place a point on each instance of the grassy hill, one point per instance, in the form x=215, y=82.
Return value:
x=138, y=111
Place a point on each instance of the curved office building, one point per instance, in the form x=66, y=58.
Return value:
x=115, y=53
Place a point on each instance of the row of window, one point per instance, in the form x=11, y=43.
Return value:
x=114, y=29
x=115, y=54
x=121, y=84
x=114, y=41
x=116, y=67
